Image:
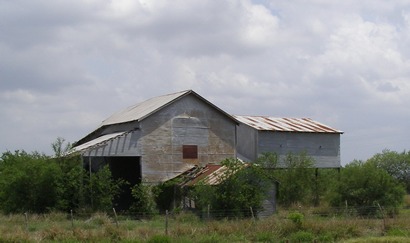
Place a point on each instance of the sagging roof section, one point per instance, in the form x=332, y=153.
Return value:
x=211, y=174
x=263, y=123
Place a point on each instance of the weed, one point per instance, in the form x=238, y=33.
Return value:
x=301, y=236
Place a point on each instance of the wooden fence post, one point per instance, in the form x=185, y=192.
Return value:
x=384, y=218
x=166, y=222
x=115, y=216
x=72, y=218
x=26, y=220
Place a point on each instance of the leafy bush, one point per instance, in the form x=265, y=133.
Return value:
x=296, y=180
x=365, y=186
x=38, y=183
x=297, y=218
x=28, y=182
x=101, y=189
x=145, y=196
x=396, y=164
x=302, y=236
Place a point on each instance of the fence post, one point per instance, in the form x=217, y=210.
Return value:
x=166, y=222
x=72, y=218
x=115, y=216
x=384, y=219
x=208, y=212
x=26, y=220
x=253, y=216
x=346, y=209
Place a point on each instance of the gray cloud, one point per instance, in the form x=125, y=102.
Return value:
x=66, y=66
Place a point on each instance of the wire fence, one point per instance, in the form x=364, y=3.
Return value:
x=116, y=218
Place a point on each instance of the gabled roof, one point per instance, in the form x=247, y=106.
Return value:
x=263, y=123
x=146, y=108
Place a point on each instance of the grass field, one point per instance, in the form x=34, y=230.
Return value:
x=186, y=227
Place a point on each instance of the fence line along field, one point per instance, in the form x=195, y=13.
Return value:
x=292, y=225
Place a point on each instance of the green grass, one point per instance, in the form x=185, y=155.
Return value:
x=186, y=227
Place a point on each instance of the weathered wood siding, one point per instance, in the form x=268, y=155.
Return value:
x=187, y=121
x=324, y=148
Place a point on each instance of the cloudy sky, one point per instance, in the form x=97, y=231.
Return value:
x=67, y=65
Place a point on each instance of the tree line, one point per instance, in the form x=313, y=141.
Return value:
x=38, y=183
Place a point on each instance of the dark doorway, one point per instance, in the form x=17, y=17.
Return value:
x=128, y=169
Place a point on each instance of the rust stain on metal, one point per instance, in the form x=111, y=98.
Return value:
x=286, y=124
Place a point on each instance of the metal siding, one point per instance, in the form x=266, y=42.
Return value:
x=247, y=142
x=188, y=121
x=323, y=148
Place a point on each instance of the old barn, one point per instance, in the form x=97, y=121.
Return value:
x=163, y=137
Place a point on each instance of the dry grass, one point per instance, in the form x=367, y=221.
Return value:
x=57, y=227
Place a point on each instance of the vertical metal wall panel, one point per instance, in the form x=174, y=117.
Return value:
x=247, y=142
x=187, y=121
x=324, y=148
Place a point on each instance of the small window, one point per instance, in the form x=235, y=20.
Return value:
x=189, y=151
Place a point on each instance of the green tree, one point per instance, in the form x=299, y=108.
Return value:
x=396, y=164
x=72, y=183
x=28, y=182
x=101, y=189
x=145, y=200
x=365, y=186
x=241, y=187
x=296, y=179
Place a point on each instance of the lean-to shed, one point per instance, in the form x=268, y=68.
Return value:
x=259, y=134
x=161, y=138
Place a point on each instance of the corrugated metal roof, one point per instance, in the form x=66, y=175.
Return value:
x=143, y=109
x=100, y=141
x=210, y=174
x=285, y=124
x=146, y=108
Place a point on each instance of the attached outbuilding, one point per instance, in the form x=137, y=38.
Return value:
x=260, y=134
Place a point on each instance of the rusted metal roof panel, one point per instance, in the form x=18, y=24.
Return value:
x=209, y=175
x=285, y=124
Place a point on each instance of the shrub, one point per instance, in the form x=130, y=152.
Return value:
x=144, y=203
x=365, y=186
x=296, y=180
x=28, y=182
x=302, y=236
x=297, y=218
